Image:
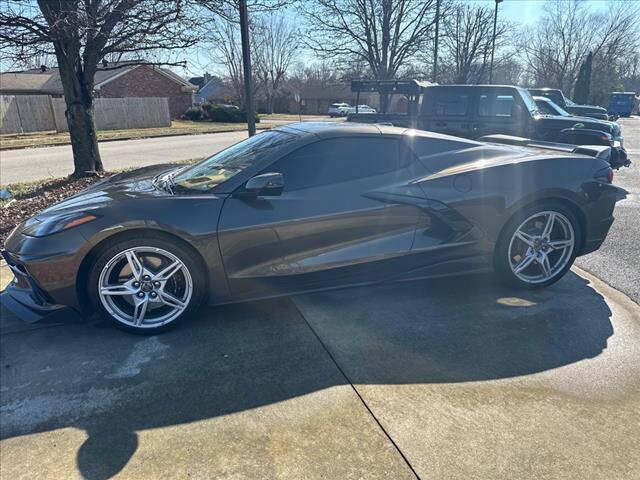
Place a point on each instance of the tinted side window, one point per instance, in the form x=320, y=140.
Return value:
x=493, y=105
x=339, y=160
x=545, y=108
x=451, y=104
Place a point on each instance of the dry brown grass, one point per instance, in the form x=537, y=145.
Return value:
x=178, y=127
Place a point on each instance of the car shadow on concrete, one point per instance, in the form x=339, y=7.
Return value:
x=233, y=358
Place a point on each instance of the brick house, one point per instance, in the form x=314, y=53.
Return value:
x=120, y=80
x=147, y=81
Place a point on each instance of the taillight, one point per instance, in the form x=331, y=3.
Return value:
x=605, y=175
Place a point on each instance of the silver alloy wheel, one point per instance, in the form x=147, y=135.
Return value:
x=541, y=247
x=145, y=287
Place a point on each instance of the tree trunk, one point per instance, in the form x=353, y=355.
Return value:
x=77, y=84
x=84, y=141
x=270, y=103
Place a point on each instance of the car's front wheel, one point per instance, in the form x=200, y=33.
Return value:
x=146, y=285
x=538, y=246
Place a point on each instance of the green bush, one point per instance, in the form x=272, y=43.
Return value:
x=224, y=113
x=193, y=113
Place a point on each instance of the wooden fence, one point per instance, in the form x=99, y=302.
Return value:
x=39, y=113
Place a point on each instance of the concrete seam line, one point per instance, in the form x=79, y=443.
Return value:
x=364, y=403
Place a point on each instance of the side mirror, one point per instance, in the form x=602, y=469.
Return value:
x=267, y=184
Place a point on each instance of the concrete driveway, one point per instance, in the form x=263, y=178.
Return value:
x=455, y=379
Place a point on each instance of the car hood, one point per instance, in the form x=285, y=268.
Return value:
x=587, y=108
x=580, y=122
x=124, y=186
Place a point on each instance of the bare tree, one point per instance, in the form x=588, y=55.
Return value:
x=467, y=41
x=226, y=51
x=275, y=47
x=81, y=33
x=223, y=42
x=385, y=34
x=555, y=48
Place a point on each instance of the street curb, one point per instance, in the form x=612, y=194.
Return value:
x=609, y=291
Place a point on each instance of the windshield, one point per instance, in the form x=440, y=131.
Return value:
x=228, y=163
x=529, y=102
x=551, y=108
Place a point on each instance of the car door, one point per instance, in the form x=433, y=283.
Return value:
x=500, y=111
x=337, y=221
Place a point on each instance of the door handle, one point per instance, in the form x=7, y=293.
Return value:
x=441, y=124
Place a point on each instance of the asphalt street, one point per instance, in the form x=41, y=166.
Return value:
x=617, y=262
x=29, y=164
x=448, y=379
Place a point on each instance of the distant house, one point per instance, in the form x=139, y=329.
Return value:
x=115, y=80
x=316, y=99
x=210, y=89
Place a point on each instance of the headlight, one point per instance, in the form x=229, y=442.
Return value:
x=57, y=223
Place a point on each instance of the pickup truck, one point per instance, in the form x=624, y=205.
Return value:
x=474, y=111
x=573, y=108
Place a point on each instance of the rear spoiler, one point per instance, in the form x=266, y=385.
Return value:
x=616, y=156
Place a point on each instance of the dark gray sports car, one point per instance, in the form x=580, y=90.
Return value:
x=307, y=207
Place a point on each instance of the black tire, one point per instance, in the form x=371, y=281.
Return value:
x=501, y=252
x=184, y=254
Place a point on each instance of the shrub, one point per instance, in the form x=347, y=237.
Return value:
x=193, y=113
x=225, y=113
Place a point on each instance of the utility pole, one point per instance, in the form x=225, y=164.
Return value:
x=435, y=50
x=246, y=66
x=493, y=42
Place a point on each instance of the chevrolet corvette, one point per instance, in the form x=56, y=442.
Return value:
x=306, y=207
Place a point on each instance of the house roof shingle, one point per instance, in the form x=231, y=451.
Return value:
x=37, y=81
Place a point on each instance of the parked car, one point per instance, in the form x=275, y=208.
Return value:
x=548, y=107
x=473, y=111
x=339, y=109
x=573, y=108
x=362, y=109
x=306, y=207
x=621, y=104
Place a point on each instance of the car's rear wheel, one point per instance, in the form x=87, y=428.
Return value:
x=538, y=246
x=146, y=285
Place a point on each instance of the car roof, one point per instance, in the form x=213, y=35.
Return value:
x=545, y=89
x=323, y=129
x=461, y=85
x=341, y=129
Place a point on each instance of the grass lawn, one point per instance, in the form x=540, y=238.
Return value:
x=178, y=127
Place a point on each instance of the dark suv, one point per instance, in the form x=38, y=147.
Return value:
x=557, y=97
x=475, y=111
